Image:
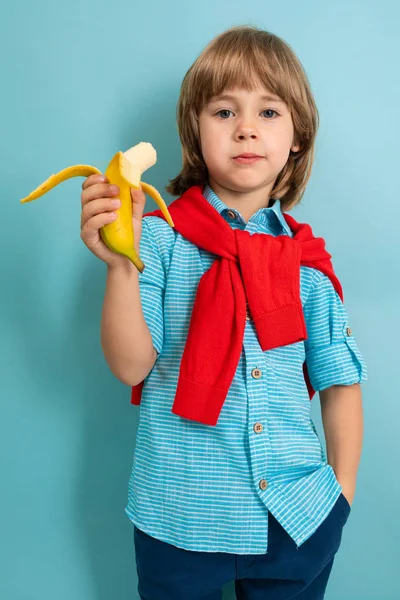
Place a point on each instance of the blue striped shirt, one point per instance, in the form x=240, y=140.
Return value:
x=209, y=488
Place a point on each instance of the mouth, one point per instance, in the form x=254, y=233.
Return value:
x=247, y=158
x=247, y=155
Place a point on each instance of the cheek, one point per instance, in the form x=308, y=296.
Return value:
x=279, y=143
x=214, y=145
x=212, y=158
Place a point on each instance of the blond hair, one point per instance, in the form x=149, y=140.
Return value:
x=244, y=57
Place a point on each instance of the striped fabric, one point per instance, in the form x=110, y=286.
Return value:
x=209, y=488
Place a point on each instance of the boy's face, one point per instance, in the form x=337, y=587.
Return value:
x=246, y=123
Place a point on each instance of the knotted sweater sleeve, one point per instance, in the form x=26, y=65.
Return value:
x=332, y=354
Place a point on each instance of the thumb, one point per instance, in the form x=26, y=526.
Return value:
x=138, y=202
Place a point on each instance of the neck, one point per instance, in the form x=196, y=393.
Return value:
x=247, y=202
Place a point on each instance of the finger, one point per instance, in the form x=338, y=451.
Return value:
x=92, y=179
x=138, y=202
x=91, y=227
x=96, y=207
x=138, y=195
x=98, y=190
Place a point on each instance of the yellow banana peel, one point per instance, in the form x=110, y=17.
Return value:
x=124, y=170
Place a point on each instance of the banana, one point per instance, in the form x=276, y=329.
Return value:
x=124, y=170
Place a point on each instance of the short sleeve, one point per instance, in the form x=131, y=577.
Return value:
x=332, y=355
x=152, y=285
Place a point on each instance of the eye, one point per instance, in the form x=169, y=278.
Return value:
x=270, y=110
x=223, y=110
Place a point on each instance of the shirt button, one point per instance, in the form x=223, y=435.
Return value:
x=258, y=427
x=231, y=214
x=256, y=373
x=348, y=331
x=263, y=484
x=248, y=317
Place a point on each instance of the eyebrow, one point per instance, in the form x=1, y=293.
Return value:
x=267, y=97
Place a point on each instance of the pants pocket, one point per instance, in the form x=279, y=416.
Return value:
x=345, y=504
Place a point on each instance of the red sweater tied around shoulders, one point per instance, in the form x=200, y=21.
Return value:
x=259, y=269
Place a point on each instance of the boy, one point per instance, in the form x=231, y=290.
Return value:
x=236, y=321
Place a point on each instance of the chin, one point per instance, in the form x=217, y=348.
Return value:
x=247, y=184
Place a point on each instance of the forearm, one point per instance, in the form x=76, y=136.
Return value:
x=125, y=337
x=342, y=417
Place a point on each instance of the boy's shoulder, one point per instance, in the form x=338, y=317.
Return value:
x=159, y=229
x=157, y=237
x=313, y=274
x=316, y=282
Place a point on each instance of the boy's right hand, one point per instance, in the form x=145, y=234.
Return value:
x=97, y=210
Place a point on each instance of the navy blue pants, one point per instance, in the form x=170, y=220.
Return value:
x=166, y=572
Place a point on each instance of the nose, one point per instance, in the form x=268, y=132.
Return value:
x=247, y=135
x=246, y=130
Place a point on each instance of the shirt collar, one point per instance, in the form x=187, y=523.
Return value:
x=220, y=206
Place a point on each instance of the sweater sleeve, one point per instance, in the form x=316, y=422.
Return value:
x=332, y=354
x=152, y=284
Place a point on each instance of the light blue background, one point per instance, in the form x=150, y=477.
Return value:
x=81, y=80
